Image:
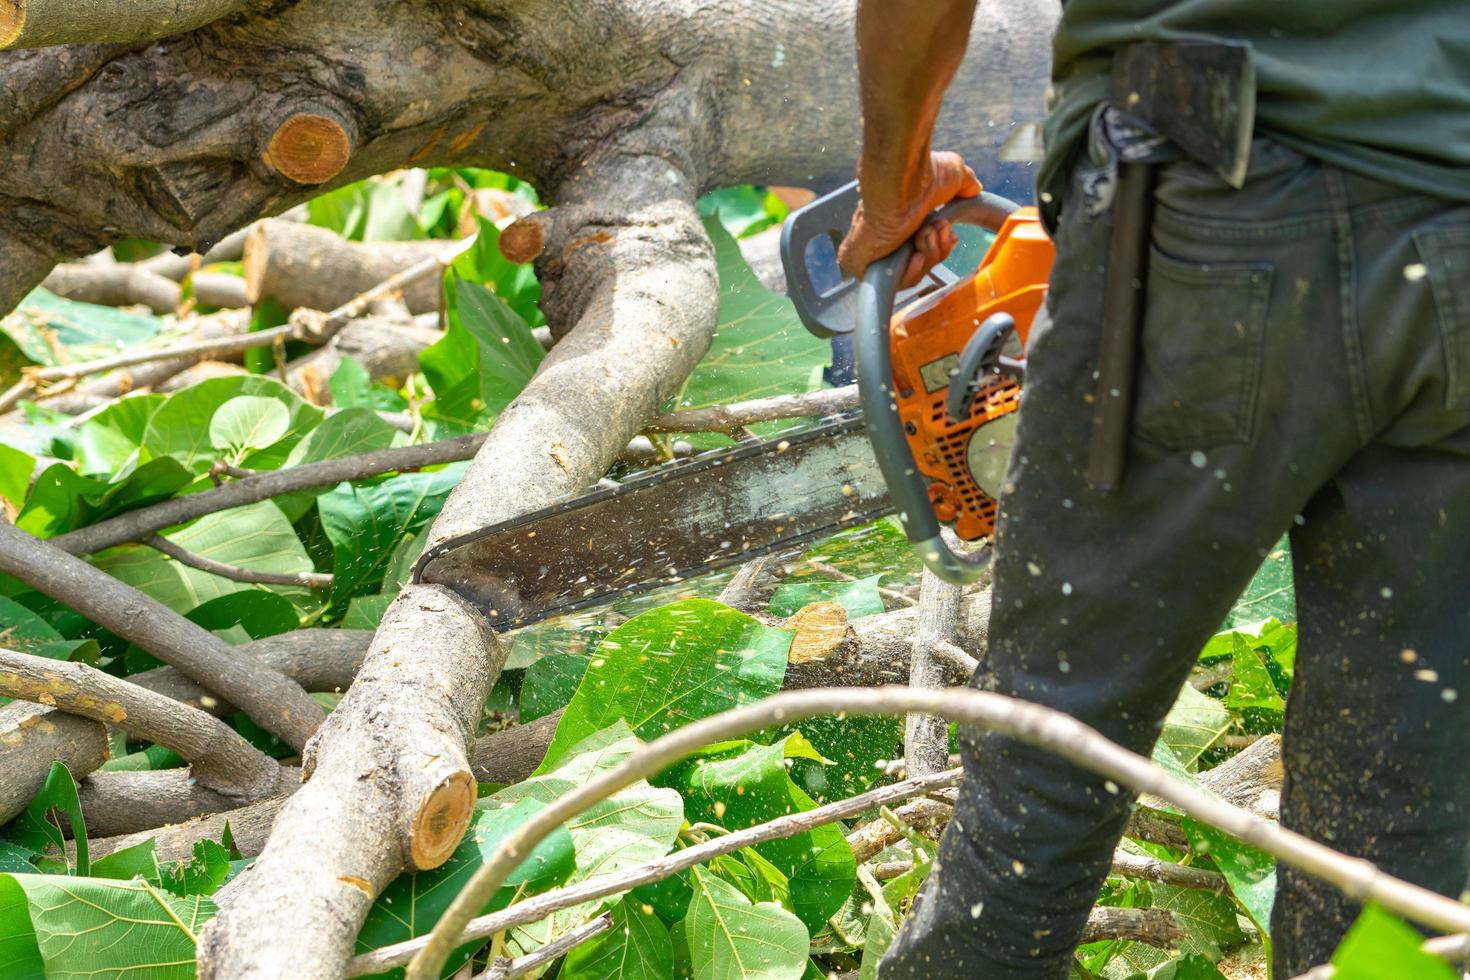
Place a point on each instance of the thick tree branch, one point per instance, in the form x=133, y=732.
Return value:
x=310, y=580
x=1030, y=723
x=274, y=702
x=123, y=284
x=40, y=23
x=126, y=802
x=219, y=756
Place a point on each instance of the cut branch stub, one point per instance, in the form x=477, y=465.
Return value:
x=524, y=239
x=309, y=148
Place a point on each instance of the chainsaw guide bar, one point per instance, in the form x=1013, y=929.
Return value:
x=683, y=519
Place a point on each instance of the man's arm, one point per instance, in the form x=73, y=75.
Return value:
x=908, y=52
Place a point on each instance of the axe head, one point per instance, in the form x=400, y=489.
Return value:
x=1200, y=95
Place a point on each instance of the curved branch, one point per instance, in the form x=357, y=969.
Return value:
x=274, y=702
x=1028, y=723
x=42, y=23
x=182, y=555
x=220, y=757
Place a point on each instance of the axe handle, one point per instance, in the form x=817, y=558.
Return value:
x=1124, y=290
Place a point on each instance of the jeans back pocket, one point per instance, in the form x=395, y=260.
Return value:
x=1200, y=357
x=1445, y=250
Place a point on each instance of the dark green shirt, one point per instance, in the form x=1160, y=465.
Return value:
x=1380, y=87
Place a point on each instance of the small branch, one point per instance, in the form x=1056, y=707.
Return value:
x=138, y=524
x=730, y=419
x=1168, y=873
x=1155, y=927
x=540, y=906
x=925, y=737
x=220, y=757
x=1029, y=723
x=274, y=702
x=505, y=969
x=310, y=580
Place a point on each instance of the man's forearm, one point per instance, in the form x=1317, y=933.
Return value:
x=908, y=52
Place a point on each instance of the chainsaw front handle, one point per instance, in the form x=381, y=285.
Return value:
x=875, y=299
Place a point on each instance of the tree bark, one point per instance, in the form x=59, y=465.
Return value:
x=115, y=285
x=303, y=266
x=124, y=802
x=36, y=23
x=926, y=738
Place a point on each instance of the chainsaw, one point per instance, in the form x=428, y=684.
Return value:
x=939, y=383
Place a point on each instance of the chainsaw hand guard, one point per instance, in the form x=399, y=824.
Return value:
x=874, y=313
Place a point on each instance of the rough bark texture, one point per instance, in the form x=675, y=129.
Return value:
x=303, y=266
x=388, y=349
x=31, y=738
x=125, y=802
x=395, y=789
x=33, y=23
x=100, y=143
x=926, y=738
x=250, y=826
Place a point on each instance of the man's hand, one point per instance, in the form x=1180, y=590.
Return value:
x=896, y=206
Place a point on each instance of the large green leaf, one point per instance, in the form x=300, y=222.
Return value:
x=1380, y=947
x=1209, y=920
x=248, y=423
x=97, y=928
x=353, y=387
x=107, y=441
x=485, y=358
x=372, y=210
x=366, y=523
x=345, y=433
x=26, y=632
x=744, y=210
x=39, y=829
x=748, y=784
x=62, y=500
x=1194, y=724
x=888, y=903
x=550, y=683
x=671, y=666
x=859, y=597
x=1194, y=967
x=44, y=322
x=1251, y=873
x=634, y=826
x=180, y=427
x=412, y=903
x=1270, y=594
x=637, y=947
x=256, y=536
x=732, y=938
x=1252, y=686
x=761, y=347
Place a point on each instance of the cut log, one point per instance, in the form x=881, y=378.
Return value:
x=122, y=802
x=38, y=23
x=303, y=266
x=124, y=284
x=218, y=289
x=388, y=349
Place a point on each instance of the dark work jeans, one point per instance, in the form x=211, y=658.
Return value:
x=1305, y=366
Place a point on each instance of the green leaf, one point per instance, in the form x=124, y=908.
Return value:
x=750, y=785
x=366, y=523
x=859, y=598
x=1194, y=724
x=109, y=440
x=370, y=210
x=345, y=433
x=732, y=938
x=760, y=347
x=1183, y=968
x=634, y=826
x=550, y=683
x=256, y=536
x=247, y=423
x=889, y=904
x=255, y=614
x=671, y=666
x=98, y=928
x=1251, y=873
x=365, y=612
x=181, y=427
x=487, y=355
x=412, y=903
x=39, y=827
x=24, y=631
x=744, y=210
x=1270, y=594
x=637, y=947
x=515, y=284
x=353, y=387
x=1380, y=947
x=15, y=858
x=1208, y=919
x=136, y=861
x=44, y=321
x=16, y=468
x=1252, y=686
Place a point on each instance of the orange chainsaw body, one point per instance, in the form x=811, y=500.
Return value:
x=926, y=338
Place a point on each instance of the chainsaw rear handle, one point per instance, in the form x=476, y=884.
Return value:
x=875, y=299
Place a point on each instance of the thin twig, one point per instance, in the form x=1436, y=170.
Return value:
x=309, y=580
x=505, y=969
x=730, y=419
x=1029, y=723
x=540, y=906
x=221, y=758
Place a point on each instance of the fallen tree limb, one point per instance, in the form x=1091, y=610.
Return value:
x=1030, y=723
x=40, y=23
x=31, y=737
x=730, y=419
x=926, y=737
x=123, y=284
x=302, y=266
x=310, y=580
x=249, y=825
x=273, y=701
x=219, y=289
x=122, y=802
x=177, y=267
x=220, y=758
x=1155, y=927
x=388, y=349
